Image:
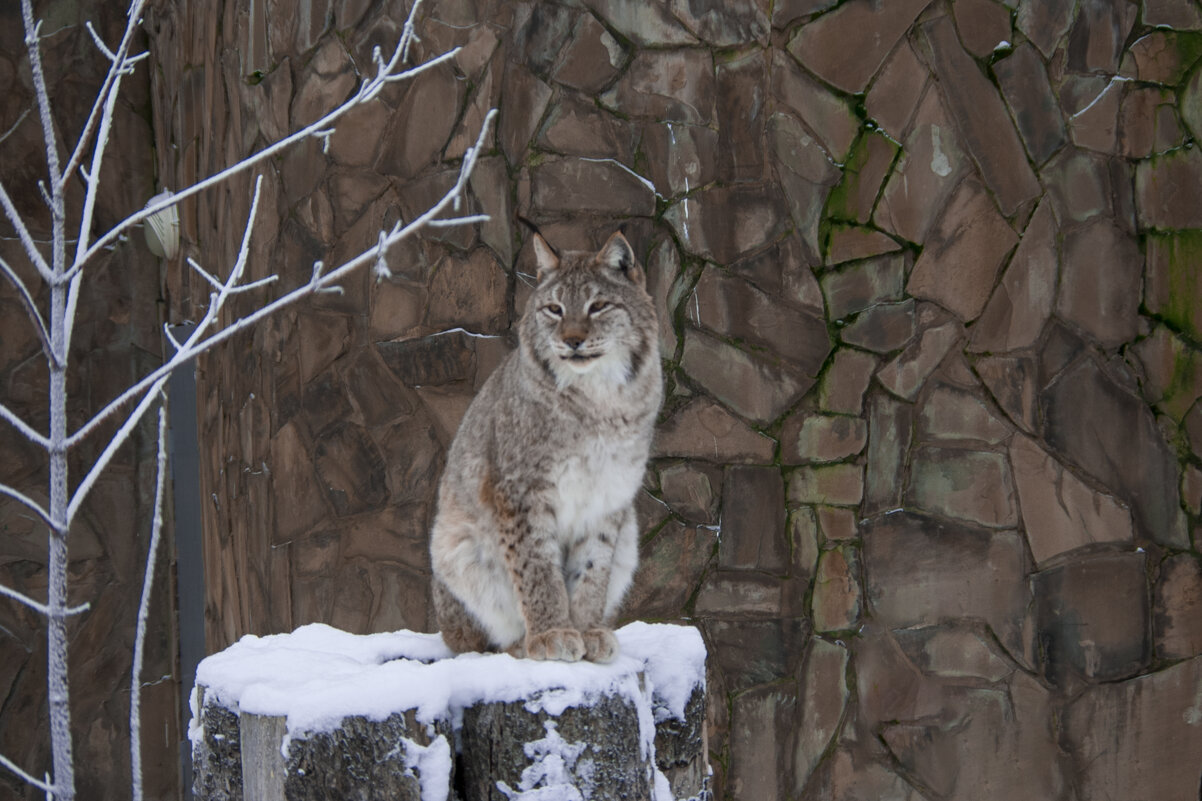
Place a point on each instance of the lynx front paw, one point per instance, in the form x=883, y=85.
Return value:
x=566, y=645
x=600, y=645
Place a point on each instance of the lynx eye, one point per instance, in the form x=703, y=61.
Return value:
x=554, y=309
x=598, y=306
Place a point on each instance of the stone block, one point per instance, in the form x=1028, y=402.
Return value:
x=1168, y=190
x=417, y=140
x=1098, y=36
x=1177, y=608
x=905, y=375
x=919, y=570
x=526, y=98
x=725, y=223
x=1023, y=79
x=761, y=737
x=1060, y=512
x=894, y=95
x=954, y=651
x=725, y=24
x=670, y=569
x=953, y=414
x=848, y=243
x=824, y=697
x=679, y=158
x=1170, y=289
x=1011, y=380
x=753, y=520
x=1138, y=737
x=1171, y=372
x=1021, y=304
x=837, y=523
x=469, y=292
x=667, y=85
x=963, y=254
x=835, y=604
x=576, y=127
x=1172, y=14
x=983, y=25
x=803, y=538
x=704, y=430
x=1099, y=284
x=1045, y=22
x=836, y=485
x=847, y=46
x=929, y=169
x=436, y=359
x=591, y=59
x=573, y=186
x=783, y=270
x=1095, y=422
x=292, y=472
x=750, y=653
x=741, y=85
x=646, y=25
x=1091, y=618
x=863, y=175
x=351, y=469
x=890, y=430
x=862, y=285
x=829, y=116
x=735, y=308
x=807, y=438
x=750, y=384
x=975, y=486
x=740, y=594
x=982, y=119
x=882, y=328
x=692, y=491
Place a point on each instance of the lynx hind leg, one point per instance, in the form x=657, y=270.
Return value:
x=625, y=562
x=460, y=631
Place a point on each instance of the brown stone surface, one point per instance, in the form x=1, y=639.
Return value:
x=962, y=256
x=883, y=328
x=836, y=600
x=919, y=570
x=725, y=223
x=735, y=308
x=837, y=484
x=753, y=520
x=751, y=385
x=575, y=185
x=1045, y=21
x=671, y=85
x=975, y=486
x=1096, y=39
x=987, y=130
x=1060, y=513
x=890, y=430
x=1011, y=382
x=1100, y=283
x=1171, y=374
x=894, y=95
x=824, y=697
x=845, y=381
x=1020, y=305
x=1153, y=720
x=847, y=46
x=1167, y=193
x=951, y=414
x=830, y=117
x=704, y=430
x=1094, y=421
x=1024, y=83
x=863, y=285
x=905, y=375
x=670, y=569
x=983, y=25
x=821, y=438
x=929, y=169
x=592, y=58
x=1177, y=608
x=1092, y=618
x=741, y=84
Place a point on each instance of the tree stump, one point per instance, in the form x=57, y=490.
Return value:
x=321, y=714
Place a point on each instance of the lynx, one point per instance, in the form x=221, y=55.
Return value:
x=535, y=541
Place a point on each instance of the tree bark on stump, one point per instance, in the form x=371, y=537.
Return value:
x=586, y=752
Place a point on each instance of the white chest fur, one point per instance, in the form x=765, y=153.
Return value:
x=597, y=480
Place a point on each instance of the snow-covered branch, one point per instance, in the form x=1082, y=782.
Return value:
x=31, y=248
x=318, y=282
x=367, y=91
x=31, y=308
x=135, y=695
x=26, y=429
x=45, y=787
x=29, y=503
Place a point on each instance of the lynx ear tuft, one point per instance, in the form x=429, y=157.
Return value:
x=617, y=254
x=545, y=256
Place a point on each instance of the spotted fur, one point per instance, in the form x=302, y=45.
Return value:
x=535, y=541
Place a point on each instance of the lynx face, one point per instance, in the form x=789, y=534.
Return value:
x=589, y=313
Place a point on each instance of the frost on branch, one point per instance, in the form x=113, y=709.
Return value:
x=321, y=713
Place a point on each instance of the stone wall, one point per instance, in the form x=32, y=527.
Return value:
x=117, y=339
x=928, y=473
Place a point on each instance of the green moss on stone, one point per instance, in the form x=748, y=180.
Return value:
x=1175, y=280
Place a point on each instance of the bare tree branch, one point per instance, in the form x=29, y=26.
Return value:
x=367, y=91
x=29, y=503
x=23, y=427
x=135, y=690
x=193, y=347
x=31, y=248
x=46, y=787
x=31, y=308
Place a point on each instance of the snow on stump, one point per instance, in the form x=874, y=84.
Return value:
x=320, y=713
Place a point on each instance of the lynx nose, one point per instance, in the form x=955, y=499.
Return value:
x=574, y=342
